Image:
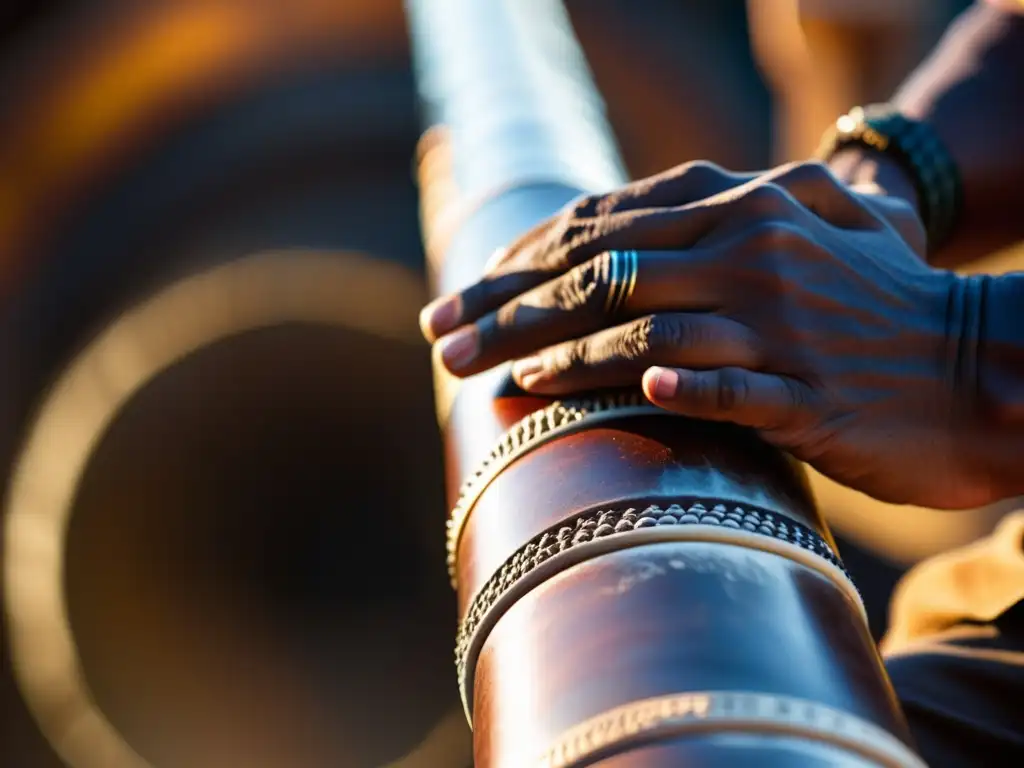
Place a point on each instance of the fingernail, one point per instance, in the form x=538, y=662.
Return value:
x=527, y=371
x=440, y=316
x=664, y=382
x=459, y=349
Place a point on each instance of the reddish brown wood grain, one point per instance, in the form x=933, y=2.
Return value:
x=667, y=618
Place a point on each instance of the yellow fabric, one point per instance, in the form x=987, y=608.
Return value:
x=973, y=584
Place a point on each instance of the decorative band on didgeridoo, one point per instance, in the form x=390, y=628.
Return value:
x=531, y=432
x=587, y=535
x=676, y=715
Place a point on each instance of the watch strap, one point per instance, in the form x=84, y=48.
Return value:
x=915, y=146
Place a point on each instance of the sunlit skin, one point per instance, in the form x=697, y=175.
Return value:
x=785, y=302
x=798, y=302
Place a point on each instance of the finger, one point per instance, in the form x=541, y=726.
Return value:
x=656, y=213
x=618, y=356
x=509, y=271
x=684, y=184
x=647, y=229
x=737, y=395
x=446, y=313
x=579, y=232
x=592, y=295
x=613, y=286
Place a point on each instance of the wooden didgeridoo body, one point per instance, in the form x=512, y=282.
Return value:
x=635, y=589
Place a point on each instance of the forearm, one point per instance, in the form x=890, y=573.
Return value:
x=971, y=92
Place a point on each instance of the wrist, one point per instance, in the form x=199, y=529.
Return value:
x=884, y=132
x=872, y=172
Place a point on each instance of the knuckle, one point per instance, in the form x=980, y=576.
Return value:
x=632, y=195
x=732, y=390
x=584, y=286
x=701, y=392
x=700, y=170
x=568, y=357
x=796, y=396
x=816, y=172
x=768, y=196
x=700, y=178
x=621, y=199
x=567, y=237
x=668, y=332
x=805, y=173
x=635, y=341
x=681, y=184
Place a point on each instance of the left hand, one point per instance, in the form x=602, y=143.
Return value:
x=784, y=302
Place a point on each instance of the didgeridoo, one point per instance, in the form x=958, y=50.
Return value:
x=635, y=588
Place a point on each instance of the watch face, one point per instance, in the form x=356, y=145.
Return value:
x=847, y=124
x=916, y=148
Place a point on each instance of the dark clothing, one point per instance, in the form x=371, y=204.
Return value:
x=955, y=651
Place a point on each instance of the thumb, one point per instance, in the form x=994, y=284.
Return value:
x=747, y=398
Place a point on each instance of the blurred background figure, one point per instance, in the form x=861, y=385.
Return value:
x=821, y=56
x=222, y=480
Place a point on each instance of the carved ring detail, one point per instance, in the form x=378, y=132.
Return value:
x=586, y=535
x=540, y=427
x=668, y=716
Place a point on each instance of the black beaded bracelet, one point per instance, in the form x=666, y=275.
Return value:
x=918, y=150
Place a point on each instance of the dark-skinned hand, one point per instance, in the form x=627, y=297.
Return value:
x=784, y=301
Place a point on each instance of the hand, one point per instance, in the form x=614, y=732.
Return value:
x=784, y=302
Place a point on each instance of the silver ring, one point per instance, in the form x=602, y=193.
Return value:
x=622, y=271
